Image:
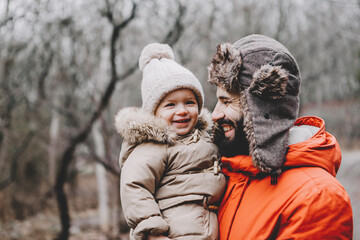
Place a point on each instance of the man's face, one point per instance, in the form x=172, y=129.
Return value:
x=228, y=119
x=227, y=112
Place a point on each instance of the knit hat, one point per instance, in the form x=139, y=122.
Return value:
x=267, y=79
x=162, y=75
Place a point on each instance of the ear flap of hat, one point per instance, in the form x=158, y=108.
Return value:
x=225, y=66
x=269, y=82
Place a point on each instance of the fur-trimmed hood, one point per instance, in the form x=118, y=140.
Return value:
x=137, y=126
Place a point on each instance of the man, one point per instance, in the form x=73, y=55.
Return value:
x=281, y=170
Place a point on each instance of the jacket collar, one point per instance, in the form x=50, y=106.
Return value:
x=320, y=150
x=137, y=126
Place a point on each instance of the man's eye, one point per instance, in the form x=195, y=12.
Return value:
x=226, y=102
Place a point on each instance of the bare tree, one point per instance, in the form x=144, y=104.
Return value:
x=50, y=63
x=102, y=185
x=84, y=132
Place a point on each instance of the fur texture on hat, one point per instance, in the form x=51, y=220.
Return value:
x=162, y=75
x=267, y=80
x=225, y=67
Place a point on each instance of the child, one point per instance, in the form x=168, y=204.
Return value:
x=169, y=179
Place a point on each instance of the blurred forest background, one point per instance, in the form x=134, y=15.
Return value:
x=67, y=66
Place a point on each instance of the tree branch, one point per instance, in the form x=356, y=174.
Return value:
x=171, y=38
x=115, y=35
x=43, y=75
x=67, y=156
x=11, y=18
x=175, y=33
x=106, y=165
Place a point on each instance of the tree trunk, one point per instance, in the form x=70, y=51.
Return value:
x=54, y=134
x=102, y=185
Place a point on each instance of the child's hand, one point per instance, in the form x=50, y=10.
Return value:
x=151, y=237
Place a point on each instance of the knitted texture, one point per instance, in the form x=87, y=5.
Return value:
x=162, y=75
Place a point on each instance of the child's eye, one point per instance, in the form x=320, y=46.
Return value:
x=190, y=102
x=169, y=105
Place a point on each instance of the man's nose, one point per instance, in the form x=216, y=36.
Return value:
x=217, y=114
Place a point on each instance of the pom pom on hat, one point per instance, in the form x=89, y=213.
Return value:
x=155, y=51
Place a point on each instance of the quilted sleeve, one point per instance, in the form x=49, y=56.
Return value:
x=140, y=175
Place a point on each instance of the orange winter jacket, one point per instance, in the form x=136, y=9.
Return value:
x=306, y=203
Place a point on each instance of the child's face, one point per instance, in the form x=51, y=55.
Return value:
x=180, y=109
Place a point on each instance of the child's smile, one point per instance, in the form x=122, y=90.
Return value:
x=180, y=109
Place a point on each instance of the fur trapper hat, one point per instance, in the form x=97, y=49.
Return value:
x=267, y=79
x=162, y=75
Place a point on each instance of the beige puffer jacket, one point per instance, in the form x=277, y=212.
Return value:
x=166, y=179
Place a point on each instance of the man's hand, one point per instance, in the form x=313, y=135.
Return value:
x=151, y=237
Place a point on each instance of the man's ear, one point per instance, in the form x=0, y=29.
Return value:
x=269, y=82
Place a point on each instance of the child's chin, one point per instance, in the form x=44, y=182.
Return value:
x=182, y=131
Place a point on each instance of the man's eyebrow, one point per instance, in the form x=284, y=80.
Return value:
x=223, y=98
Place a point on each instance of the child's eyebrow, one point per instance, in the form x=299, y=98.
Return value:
x=192, y=97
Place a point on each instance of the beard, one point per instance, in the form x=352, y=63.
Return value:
x=231, y=147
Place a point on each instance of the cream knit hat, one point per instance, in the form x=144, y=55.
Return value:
x=162, y=75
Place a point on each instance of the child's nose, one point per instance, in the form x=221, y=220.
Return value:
x=181, y=110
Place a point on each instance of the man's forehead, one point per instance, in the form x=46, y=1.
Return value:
x=222, y=93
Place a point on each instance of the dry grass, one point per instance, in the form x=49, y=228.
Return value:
x=45, y=226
